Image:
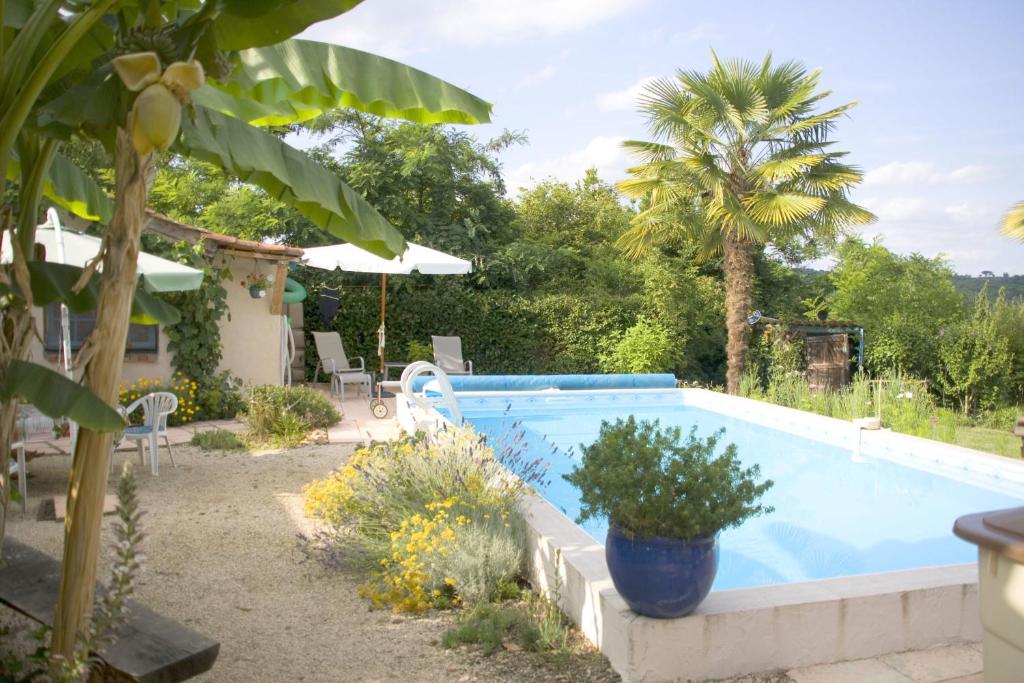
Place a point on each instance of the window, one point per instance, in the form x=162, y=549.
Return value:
x=141, y=338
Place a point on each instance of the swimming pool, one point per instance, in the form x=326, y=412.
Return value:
x=839, y=510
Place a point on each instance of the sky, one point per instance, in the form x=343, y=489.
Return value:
x=940, y=86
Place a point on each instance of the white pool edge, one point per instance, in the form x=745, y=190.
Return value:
x=749, y=630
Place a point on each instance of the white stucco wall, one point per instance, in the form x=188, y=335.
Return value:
x=252, y=336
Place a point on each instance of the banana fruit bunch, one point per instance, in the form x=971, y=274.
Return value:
x=155, y=117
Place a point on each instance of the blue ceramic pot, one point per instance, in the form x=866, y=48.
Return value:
x=660, y=577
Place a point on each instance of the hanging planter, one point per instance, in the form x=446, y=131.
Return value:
x=258, y=283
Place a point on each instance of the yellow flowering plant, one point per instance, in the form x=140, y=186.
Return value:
x=181, y=386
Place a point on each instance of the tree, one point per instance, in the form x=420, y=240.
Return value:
x=904, y=303
x=568, y=236
x=437, y=185
x=258, y=77
x=740, y=158
x=1013, y=222
x=975, y=362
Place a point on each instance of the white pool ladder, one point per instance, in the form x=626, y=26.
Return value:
x=421, y=399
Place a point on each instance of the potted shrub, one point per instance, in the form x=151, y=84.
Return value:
x=666, y=499
x=258, y=283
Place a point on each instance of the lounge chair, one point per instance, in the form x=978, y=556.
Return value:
x=340, y=367
x=448, y=356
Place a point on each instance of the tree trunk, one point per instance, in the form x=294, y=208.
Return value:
x=739, y=294
x=88, y=481
x=17, y=334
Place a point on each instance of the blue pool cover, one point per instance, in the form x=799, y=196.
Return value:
x=541, y=382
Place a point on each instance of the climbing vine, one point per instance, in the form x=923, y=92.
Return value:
x=194, y=341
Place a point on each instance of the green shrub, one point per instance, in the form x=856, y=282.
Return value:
x=218, y=440
x=284, y=416
x=645, y=347
x=417, y=350
x=219, y=397
x=650, y=482
x=1000, y=418
x=491, y=626
x=537, y=625
x=534, y=623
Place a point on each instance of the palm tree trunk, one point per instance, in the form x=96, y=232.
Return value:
x=88, y=482
x=739, y=294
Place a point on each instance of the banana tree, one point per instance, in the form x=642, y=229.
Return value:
x=41, y=43
x=203, y=79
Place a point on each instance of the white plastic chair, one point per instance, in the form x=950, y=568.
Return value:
x=335, y=363
x=155, y=409
x=448, y=356
x=17, y=466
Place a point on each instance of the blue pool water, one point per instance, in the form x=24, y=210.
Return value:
x=835, y=514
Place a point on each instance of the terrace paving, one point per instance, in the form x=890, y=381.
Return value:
x=950, y=664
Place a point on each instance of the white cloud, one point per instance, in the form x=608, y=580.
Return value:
x=604, y=153
x=972, y=213
x=626, y=98
x=401, y=27
x=898, y=208
x=536, y=77
x=701, y=33
x=922, y=172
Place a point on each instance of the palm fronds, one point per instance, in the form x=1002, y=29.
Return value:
x=1013, y=222
x=740, y=152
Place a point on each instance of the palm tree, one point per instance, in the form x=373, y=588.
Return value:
x=740, y=158
x=1013, y=222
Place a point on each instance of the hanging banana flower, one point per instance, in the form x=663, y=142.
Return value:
x=155, y=117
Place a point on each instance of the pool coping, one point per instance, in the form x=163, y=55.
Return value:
x=742, y=631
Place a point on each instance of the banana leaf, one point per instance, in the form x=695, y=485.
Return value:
x=297, y=80
x=252, y=23
x=287, y=174
x=57, y=396
x=68, y=187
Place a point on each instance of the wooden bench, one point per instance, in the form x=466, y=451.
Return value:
x=150, y=648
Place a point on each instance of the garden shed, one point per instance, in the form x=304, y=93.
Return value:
x=832, y=348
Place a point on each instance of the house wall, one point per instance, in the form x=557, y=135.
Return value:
x=250, y=335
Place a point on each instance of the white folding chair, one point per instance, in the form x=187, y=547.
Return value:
x=155, y=409
x=335, y=363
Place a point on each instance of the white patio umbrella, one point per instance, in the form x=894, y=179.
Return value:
x=416, y=258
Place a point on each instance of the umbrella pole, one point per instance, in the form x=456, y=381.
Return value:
x=383, y=311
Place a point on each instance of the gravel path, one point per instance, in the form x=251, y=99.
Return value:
x=222, y=557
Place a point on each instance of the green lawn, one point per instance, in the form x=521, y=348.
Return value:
x=999, y=441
